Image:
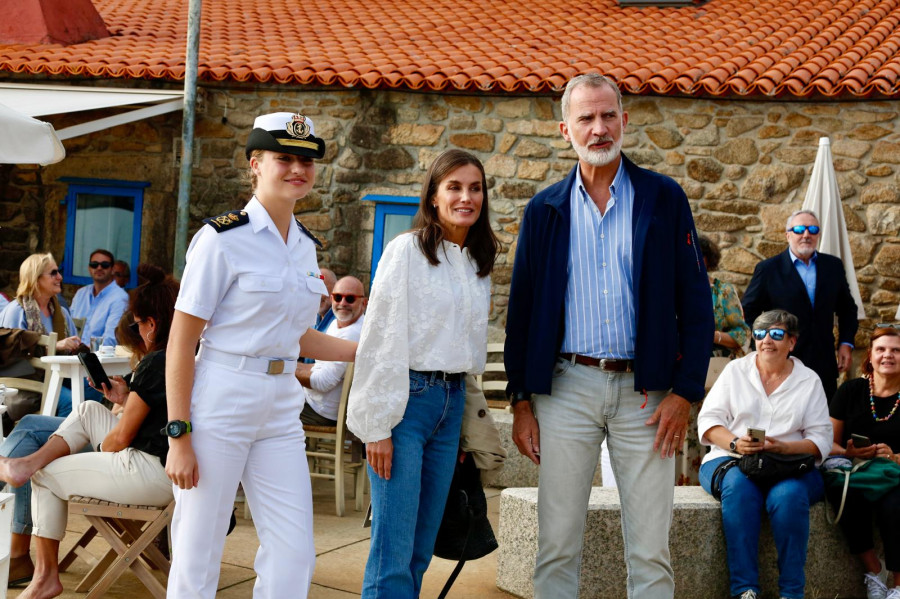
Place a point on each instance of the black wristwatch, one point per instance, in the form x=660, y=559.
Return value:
x=734, y=443
x=517, y=396
x=176, y=428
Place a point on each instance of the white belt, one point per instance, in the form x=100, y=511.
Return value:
x=239, y=362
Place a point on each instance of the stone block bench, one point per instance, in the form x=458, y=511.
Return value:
x=518, y=471
x=696, y=542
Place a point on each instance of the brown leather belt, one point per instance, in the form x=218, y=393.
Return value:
x=604, y=364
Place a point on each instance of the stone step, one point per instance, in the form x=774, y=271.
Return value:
x=696, y=542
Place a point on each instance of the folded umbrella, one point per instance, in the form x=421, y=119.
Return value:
x=24, y=140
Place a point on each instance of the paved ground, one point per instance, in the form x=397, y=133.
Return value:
x=341, y=548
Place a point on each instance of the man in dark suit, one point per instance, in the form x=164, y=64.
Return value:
x=813, y=287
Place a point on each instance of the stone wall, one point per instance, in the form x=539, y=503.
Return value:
x=744, y=165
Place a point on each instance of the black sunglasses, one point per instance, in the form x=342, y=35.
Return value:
x=103, y=264
x=775, y=334
x=348, y=297
x=135, y=328
x=887, y=325
x=801, y=229
x=53, y=273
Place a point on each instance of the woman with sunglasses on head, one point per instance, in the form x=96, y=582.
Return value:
x=425, y=329
x=868, y=407
x=128, y=464
x=249, y=295
x=36, y=308
x=769, y=390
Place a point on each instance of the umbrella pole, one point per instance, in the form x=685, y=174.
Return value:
x=187, y=136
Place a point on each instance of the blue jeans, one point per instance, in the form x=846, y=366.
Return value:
x=407, y=509
x=30, y=434
x=787, y=503
x=64, y=405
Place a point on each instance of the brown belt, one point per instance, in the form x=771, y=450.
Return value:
x=605, y=364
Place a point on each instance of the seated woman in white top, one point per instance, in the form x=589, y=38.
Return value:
x=425, y=329
x=767, y=390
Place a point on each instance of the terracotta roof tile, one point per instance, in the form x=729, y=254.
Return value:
x=720, y=47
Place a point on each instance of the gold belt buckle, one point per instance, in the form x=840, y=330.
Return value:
x=275, y=367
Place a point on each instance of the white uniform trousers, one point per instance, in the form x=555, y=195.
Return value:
x=246, y=428
x=127, y=476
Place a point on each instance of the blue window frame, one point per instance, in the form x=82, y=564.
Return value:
x=393, y=215
x=102, y=213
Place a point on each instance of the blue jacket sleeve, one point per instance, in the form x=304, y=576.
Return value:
x=518, y=312
x=696, y=323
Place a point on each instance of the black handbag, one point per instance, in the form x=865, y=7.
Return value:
x=465, y=532
x=766, y=469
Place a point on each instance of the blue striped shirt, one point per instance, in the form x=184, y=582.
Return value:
x=599, y=320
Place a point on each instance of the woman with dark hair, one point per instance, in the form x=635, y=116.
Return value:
x=128, y=465
x=868, y=407
x=732, y=333
x=772, y=391
x=425, y=329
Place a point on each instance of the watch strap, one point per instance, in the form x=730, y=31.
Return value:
x=517, y=396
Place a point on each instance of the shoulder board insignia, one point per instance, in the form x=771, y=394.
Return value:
x=304, y=230
x=227, y=221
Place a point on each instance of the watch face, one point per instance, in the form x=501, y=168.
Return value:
x=173, y=429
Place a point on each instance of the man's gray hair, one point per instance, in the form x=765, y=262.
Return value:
x=591, y=80
x=797, y=213
x=775, y=317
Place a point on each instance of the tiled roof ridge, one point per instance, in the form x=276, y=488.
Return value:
x=770, y=48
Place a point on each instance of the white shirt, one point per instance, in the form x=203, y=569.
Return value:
x=258, y=293
x=797, y=410
x=420, y=317
x=326, y=378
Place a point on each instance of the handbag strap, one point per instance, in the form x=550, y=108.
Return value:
x=715, y=483
x=846, y=474
x=461, y=562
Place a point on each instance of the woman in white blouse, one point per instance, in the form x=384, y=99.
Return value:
x=772, y=391
x=425, y=329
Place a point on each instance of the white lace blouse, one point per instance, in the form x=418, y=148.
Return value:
x=420, y=317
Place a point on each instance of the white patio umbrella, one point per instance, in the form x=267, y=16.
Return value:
x=24, y=140
x=823, y=198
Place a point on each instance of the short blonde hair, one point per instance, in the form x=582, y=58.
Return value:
x=31, y=270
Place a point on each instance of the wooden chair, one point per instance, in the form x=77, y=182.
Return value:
x=48, y=342
x=79, y=325
x=130, y=531
x=333, y=451
x=496, y=385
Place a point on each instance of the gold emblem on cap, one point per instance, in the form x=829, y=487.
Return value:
x=297, y=126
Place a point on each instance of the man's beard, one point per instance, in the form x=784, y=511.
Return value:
x=342, y=316
x=598, y=157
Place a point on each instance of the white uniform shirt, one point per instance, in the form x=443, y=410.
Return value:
x=258, y=293
x=797, y=410
x=326, y=378
x=420, y=317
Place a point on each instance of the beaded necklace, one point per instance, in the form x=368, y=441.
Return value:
x=872, y=402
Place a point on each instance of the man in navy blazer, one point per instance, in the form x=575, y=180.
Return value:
x=813, y=287
x=609, y=331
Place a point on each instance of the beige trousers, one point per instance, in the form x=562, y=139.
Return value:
x=127, y=476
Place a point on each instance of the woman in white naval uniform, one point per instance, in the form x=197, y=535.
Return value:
x=425, y=328
x=249, y=295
